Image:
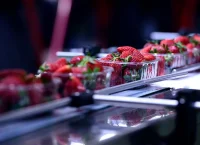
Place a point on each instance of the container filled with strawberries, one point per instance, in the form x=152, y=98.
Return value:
x=81, y=73
x=19, y=89
x=193, y=49
x=172, y=53
x=130, y=65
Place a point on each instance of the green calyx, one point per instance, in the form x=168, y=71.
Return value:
x=194, y=41
x=154, y=50
x=180, y=46
x=43, y=68
x=153, y=41
x=85, y=60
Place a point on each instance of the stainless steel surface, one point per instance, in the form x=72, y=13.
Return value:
x=33, y=110
x=124, y=101
x=131, y=85
x=189, y=68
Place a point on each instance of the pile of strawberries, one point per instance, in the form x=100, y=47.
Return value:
x=128, y=54
x=76, y=75
x=177, y=45
x=129, y=65
x=19, y=89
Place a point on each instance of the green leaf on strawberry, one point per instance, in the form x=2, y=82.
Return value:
x=180, y=46
x=153, y=41
x=193, y=41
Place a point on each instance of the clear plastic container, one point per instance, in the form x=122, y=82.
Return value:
x=78, y=82
x=168, y=62
x=125, y=72
x=193, y=56
x=18, y=96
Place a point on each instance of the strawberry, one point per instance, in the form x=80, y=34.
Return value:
x=14, y=80
x=190, y=46
x=75, y=60
x=126, y=54
x=125, y=48
x=95, y=67
x=61, y=62
x=146, y=49
x=183, y=39
x=108, y=57
x=158, y=49
x=29, y=78
x=132, y=56
x=63, y=69
x=167, y=42
x=148, y=57
x=73, y=85
x=91, y=64
x=12, y=72
x=196, y=37
x=173, y=49
x=46, y=77
x=151, y=43
x=116, y=66
x=48, y=67
x=79, y=69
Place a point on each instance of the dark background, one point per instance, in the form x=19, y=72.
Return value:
x=131, y=23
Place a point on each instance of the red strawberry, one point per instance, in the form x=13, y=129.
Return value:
x=73, y=85
x=12, y=72
x=126, y=54
x=148, y=57
x=30, y=78
x=50, y=67
x=125, y=48
x=63, y=69
x=116, y=66
x=190, y=46
x=61, y=62
x=167, y=42
x=151, y=43
x=75, y=60
x=158, y=49
x=137, y=57
x=173, y=49
x=96, y=66
x=183, y=39
x=146, y=49
x=132, y=56
x=79, y=69
x=15, y=80
x=109, y=57
x=196, y=37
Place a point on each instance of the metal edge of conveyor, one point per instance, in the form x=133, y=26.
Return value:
x=131, y=85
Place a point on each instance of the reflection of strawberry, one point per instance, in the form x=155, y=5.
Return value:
x=183, y=39
x=73, y=85
x=75, y=60
x=167, y=42
x=125, y=48
x=79, y=69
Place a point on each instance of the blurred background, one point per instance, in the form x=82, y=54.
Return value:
x=31, y=31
